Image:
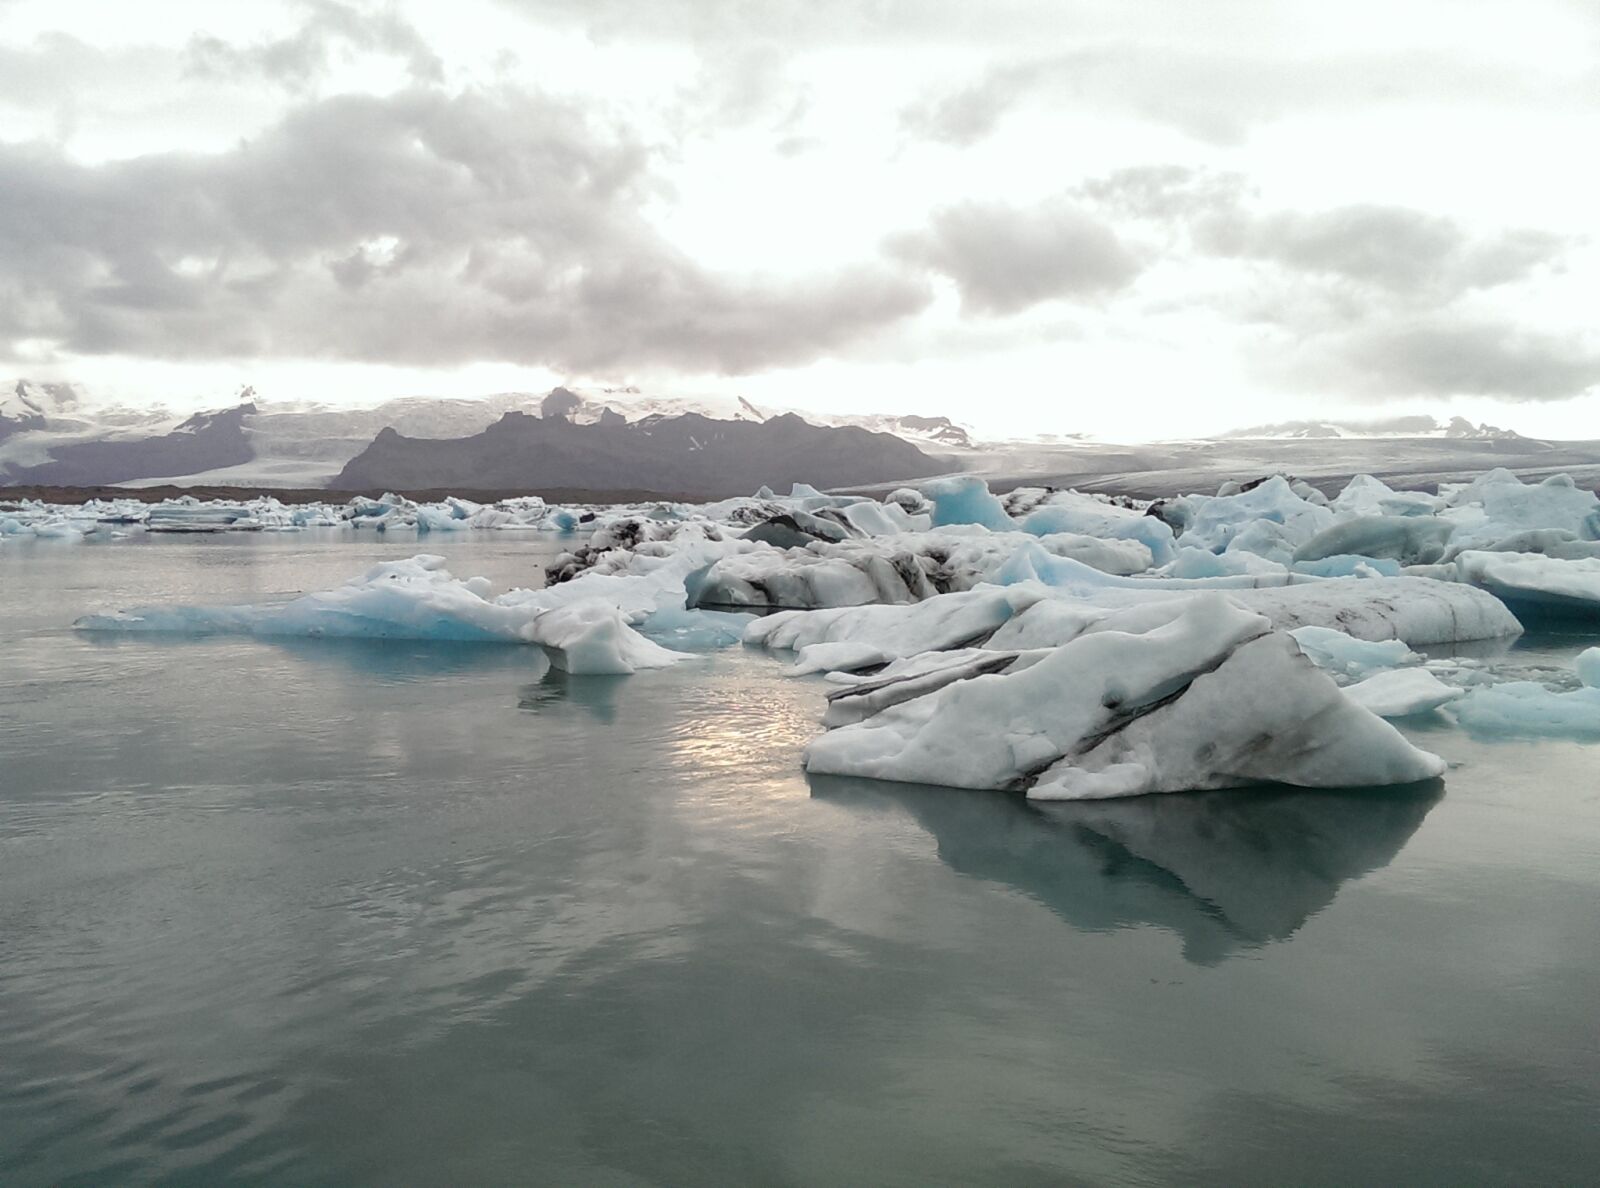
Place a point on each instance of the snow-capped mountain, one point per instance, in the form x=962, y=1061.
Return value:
x=53, y=434
x=587, y=406
x=1456, y=428
x=26, y=406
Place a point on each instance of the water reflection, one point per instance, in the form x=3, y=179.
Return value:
x=1223, y=870
x=379, y=660
x=596, y=694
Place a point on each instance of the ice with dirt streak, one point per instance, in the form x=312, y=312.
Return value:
x=1211, y=698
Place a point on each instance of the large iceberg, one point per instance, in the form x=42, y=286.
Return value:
x=1211, y=698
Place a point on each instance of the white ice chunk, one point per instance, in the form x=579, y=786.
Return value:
x=1402, y=692
x=937, y=624
x=1121, y=557
x=593, y=637
x=843, y=655
x=1364, y=495
x=1203, y=563
x=1588, y=667
x=1351, y=565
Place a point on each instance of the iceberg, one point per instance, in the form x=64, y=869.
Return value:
x=1212, y=698
x=1213, y=521
x=417, y=598
x=906, y=567
x=1535, y=581
x=591, y=637
x=1069, y=511
x=965, y=499
x=1364, y=495
x=1409, y=540
x=1527, y=709
x=1497, y=505
x=1414, y=610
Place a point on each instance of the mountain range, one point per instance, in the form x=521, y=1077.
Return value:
x=688, y=453
x=1420, y=426
x=607, y=439
x=620, y=439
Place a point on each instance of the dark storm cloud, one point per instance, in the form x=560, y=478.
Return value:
x=329, y=27
x=1005, y=259
x=417, y=227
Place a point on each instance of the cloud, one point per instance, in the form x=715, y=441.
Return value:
x=806, y=24
x=1367, y=300
x=1005, y=259
x=1404, y=251
x=1393, y=252
x=418, y=227
x=1212, y=93
x=330, y=27
x=1463, y=356
x=1166, y=193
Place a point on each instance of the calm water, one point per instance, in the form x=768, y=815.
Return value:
x=317, y=912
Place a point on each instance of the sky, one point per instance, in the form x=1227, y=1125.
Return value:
x=1132, y=219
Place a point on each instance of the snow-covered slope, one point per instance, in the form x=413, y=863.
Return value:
x=26, y=406
x=1455, y=429
x=588, y=405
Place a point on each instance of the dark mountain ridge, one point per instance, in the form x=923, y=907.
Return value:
x=688, y=452
x=206, y=441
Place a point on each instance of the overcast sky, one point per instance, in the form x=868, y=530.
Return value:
x=1132, y=218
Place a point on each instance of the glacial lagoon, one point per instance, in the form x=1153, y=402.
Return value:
x=306, y=911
